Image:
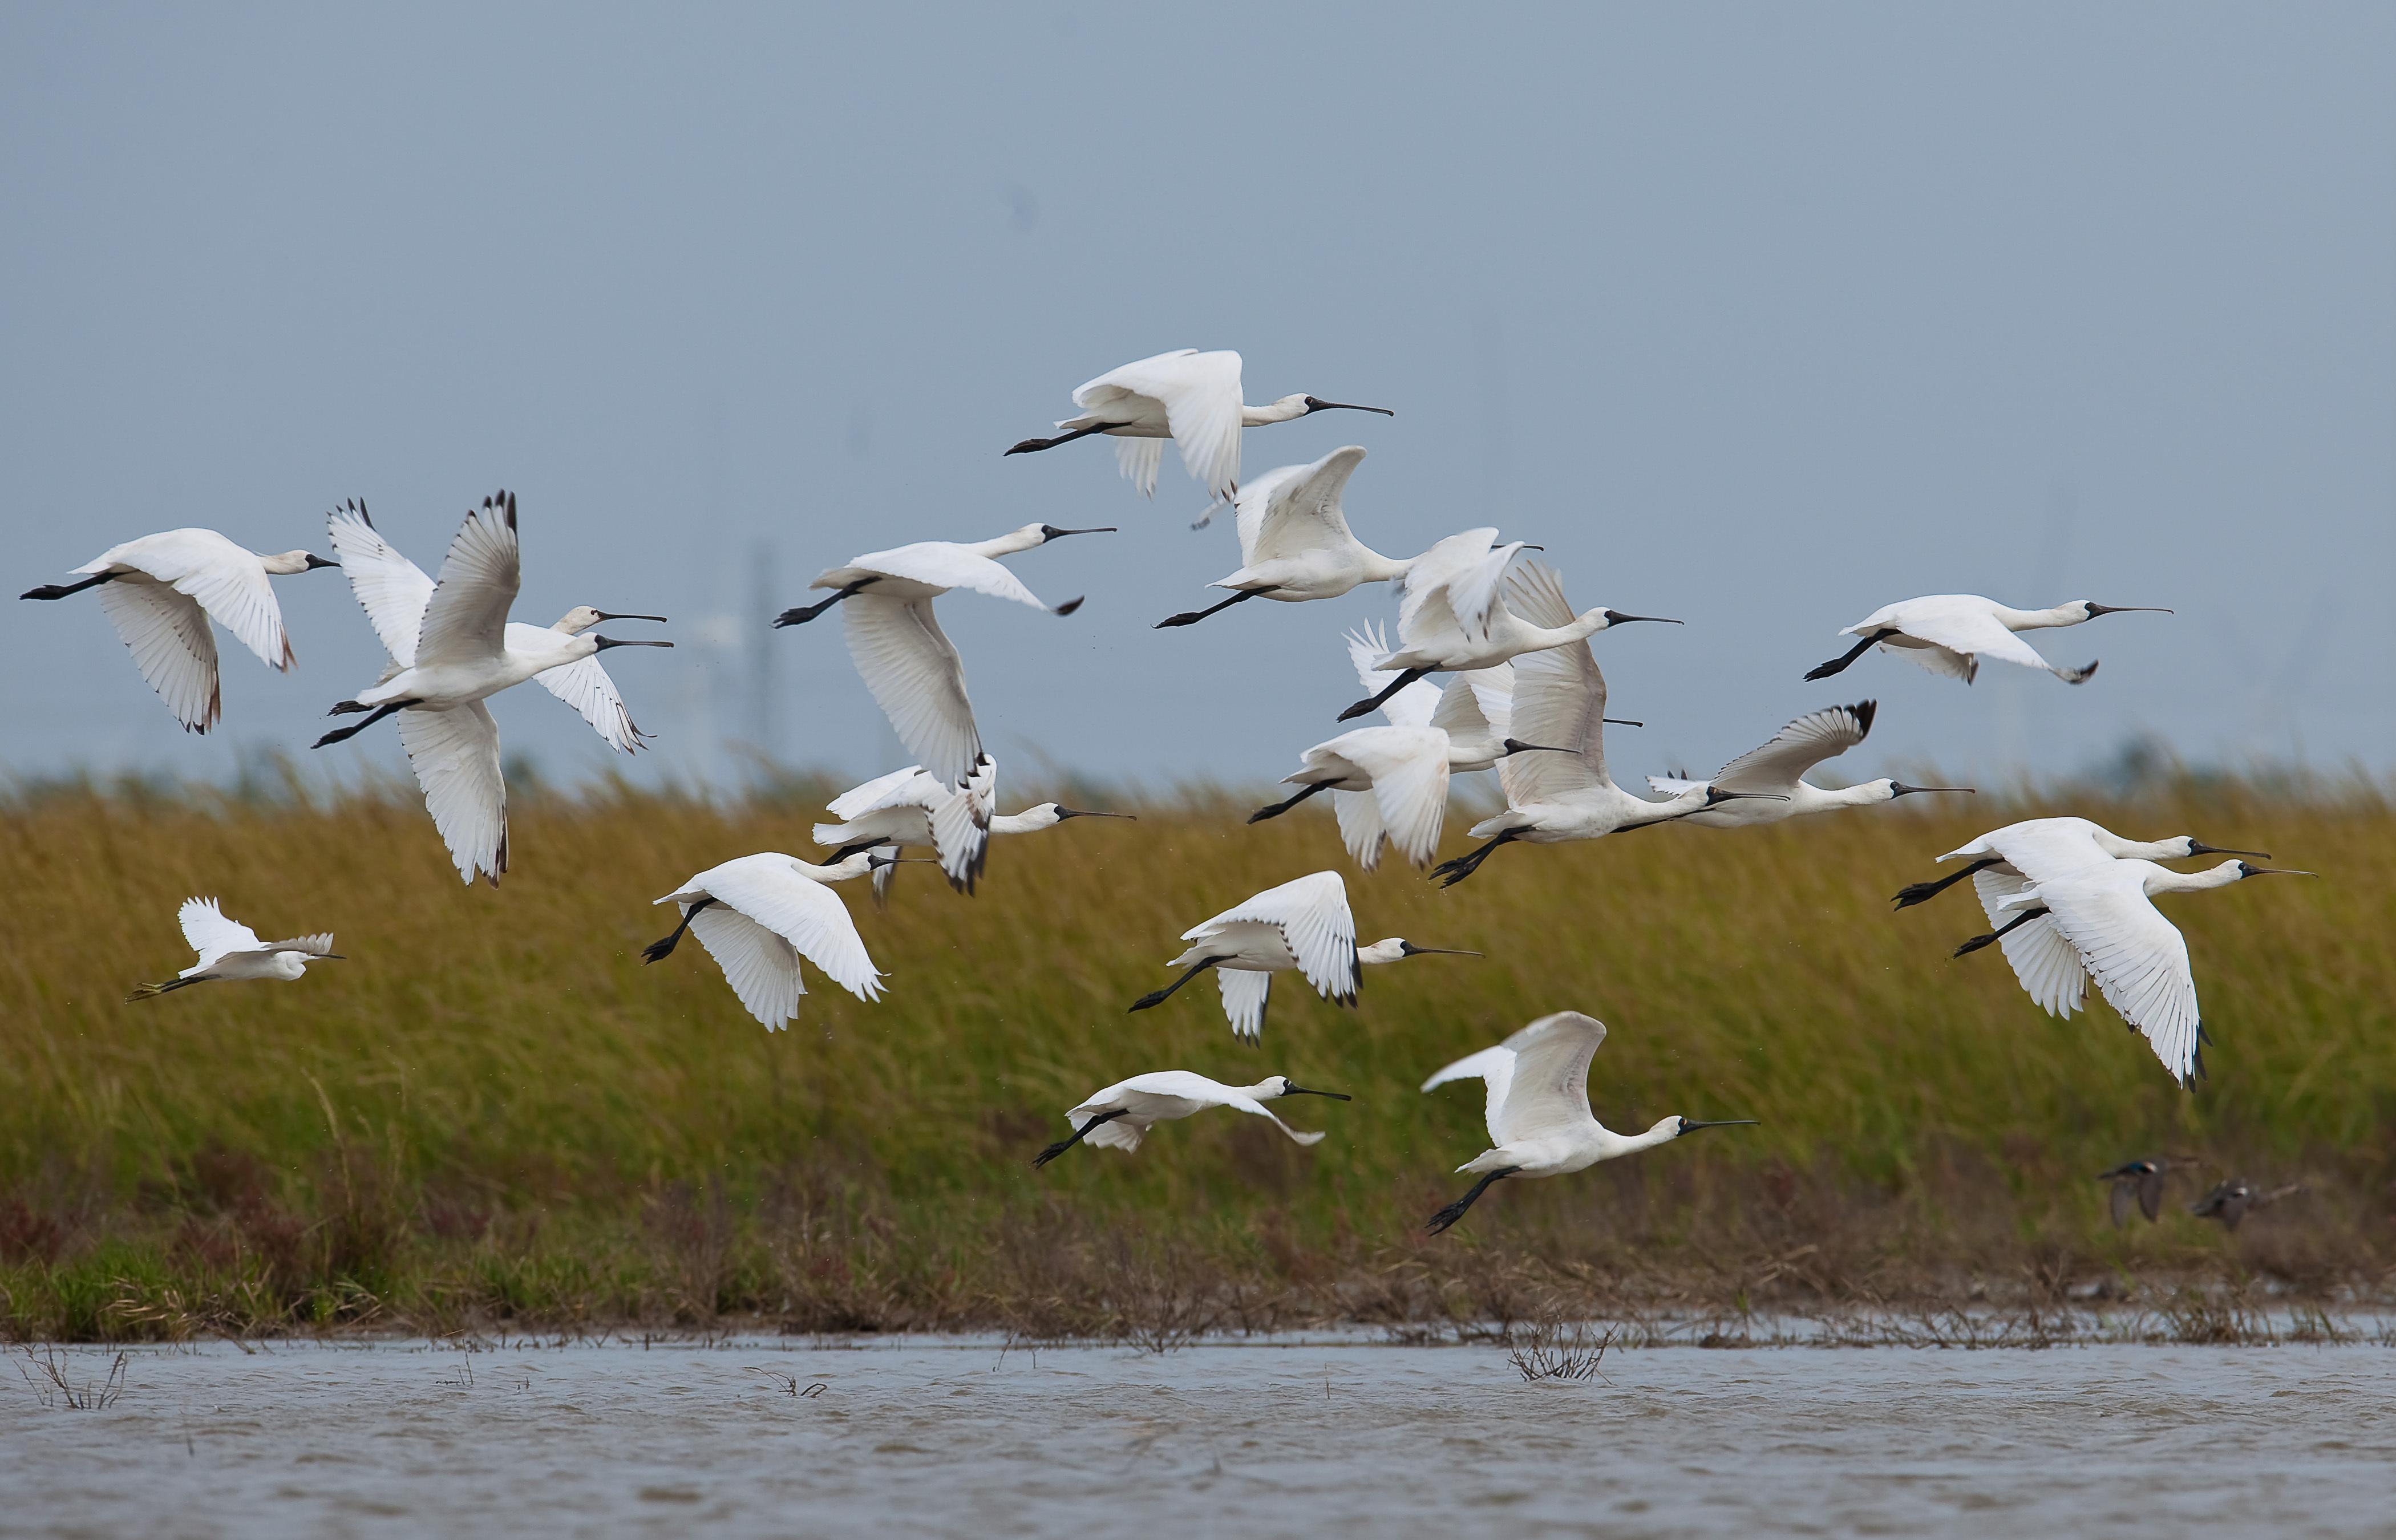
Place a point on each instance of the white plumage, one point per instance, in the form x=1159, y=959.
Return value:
x=1775, y=773
x=230, y=950
x=1118, y=1116
x=908, y=807
x=1295, y=544
x=758, y=915
x=1949, y=633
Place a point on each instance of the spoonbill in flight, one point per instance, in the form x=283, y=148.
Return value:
x=1538, y=1116
x=906, y=660
x=1116, y=1116
x=2005, y=861
x=1191, y=398
x=758, y=915
x=1303, y=924
x=2105, y=913
x=1778, y=769
x=161, y=591
x=230, y=949
x=908, y=807
x=1294, y=541
x=1555, y=797
x=1454, y=617
x=452, y=648
x=1949, y=633
x=2230, y=1201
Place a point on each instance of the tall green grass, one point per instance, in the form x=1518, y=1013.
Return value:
x=495, y=1111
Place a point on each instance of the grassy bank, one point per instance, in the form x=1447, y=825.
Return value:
x=493, y=1112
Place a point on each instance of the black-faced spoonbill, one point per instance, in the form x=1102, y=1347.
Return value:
x=2230, y=1201
x=1454, y=615
x=1191, y=398
x=1778, y=770
x=230, y=950
x=1537, y=1110
x=908, y=807
x=452, y=646
x=1116, y=1116
x=161, y=591
x=1949, y=633
x=758, y=915
x=1294, y=545
x=2105, y=913
x=905, y=659
x=1302, y=925
x=1556, y=798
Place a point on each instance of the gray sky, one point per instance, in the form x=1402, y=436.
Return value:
x=1760, y=317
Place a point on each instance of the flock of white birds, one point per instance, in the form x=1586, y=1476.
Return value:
x=2068, y=901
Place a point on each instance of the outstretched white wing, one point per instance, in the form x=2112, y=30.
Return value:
x=961, y=826
x=762, y=968
x=1360, y=826
x=937, y=563
x=391, y=589
x=1412, y=707
x=1966, y=630
x=455, y=756
x=1410, y=775
x=211, y=935
x=1295, y=508
x=2046, y=963
x=1312, y=914
x=1453, y=583
x=890, y=790
x=1494, y=1067
x=1244, y=994
x=465, y=619
x=1775, y=767
x=1559, y=700
x=584, y=685
x=918, y=680
x=223, y=579
x=771, y=890
x=1200, y=393
x=1549, y=1089
x=2139, y=958
x=167, y=634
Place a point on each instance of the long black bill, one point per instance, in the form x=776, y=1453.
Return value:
x=1516, y=746
x=1315, y=404
x=1616, y=617
x=1898, y=788
x=1690, y=1125
x=605, y=615
x=1050, y=532
x=1308, y=1091
x=2096, y=610
x=2198, y=847
x=1064, y=813
x=603, y=642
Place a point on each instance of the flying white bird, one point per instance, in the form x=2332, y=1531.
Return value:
x=1778, y=769
x=1116, y=1116
x=758, y=915
x=1302, y=925
x=1294, y=541
x=2105, y=912
x=230, y=949
x=1538, y=1116
x=1949, y=633
x=908, y=807
x=1454, y=617
x=2005, y=861
x=161, y=591
x=906, y=660
x=1191, y=398
x=1553, y=798
x=452, y=646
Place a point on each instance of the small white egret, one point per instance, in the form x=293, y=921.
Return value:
x=161, y=591
x=759, y=914
x=908, y=807
x=1555, y=797
x=1302, y=925
x=905, y=659
x=1949, y=633
x=1191, y=398
x=1116, y=1116
x=1454, y=617
x=1294, y=541
x=452, y=646
x=2105, y=912
x=231, y=950
x=1537, y=1110
x=1778, y=768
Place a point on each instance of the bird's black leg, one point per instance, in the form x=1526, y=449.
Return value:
x=386, y=708
x=658, y=950
x=2024, y=918
x=1839, y=663
x=1922, y=893
x=1191, y=618
x=1160, y=996
x=1277, y=809
x=1405, y=677
x=1079, y=1134
x=805, y=613
x=1032, y=446
x=1455, y=1211
x=1452, y=872
x=59, y=591
x=149, y=991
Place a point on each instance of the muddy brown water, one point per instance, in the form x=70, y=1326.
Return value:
x=769, y=1438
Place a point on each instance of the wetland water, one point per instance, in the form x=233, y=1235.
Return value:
x=937, y=1438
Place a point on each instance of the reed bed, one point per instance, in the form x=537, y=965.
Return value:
x=494, y=1114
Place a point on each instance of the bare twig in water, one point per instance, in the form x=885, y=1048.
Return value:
x=56, y=1389
x=1546, y=1351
